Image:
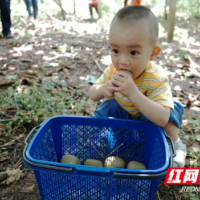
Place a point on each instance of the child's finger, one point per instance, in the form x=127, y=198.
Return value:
x=124, y=74
x=116, y=82
x=119, y=78
x=116, y=89
x=109, y=94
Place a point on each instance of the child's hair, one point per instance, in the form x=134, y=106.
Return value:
x=134, y=13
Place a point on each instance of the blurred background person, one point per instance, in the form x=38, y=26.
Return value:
x=133, y=2
x=93, y=4
x=5, y=18
x=34, y=4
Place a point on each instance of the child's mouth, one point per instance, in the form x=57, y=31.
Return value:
x=126, y=71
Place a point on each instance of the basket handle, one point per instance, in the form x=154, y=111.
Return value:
x=43, y=166
x=172, y=145
x=140, y=176
x=37, y=164
x=29, y=135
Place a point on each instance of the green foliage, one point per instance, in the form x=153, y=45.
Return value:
x=194, y=127
x=64, y=48
x=189, y=192
x=195, y=124
x=195, y=156
x=192, y=8
x=5, y=153
x=35, y=103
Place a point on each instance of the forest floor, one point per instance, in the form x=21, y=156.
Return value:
x=75, y=52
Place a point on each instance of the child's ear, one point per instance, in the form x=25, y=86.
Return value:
x=155, y=52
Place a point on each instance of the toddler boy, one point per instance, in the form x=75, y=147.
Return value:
x=145, y=96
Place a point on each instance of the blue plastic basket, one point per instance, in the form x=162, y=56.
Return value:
x=82, y=136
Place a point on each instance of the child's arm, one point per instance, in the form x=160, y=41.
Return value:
x=152, y=110
x=97, y=92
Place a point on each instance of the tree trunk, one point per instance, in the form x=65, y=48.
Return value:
x=59, y=3
x=74, y=7
x=125, y=2
x=172, y=12
x=99, y=8
x=165, y=11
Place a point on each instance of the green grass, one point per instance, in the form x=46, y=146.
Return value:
x=34, y=103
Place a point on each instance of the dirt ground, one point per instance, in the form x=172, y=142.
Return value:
x=25, y=56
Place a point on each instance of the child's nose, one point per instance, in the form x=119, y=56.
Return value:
x=124, y=60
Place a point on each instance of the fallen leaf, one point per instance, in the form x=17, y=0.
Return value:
x=32, y=73
x=49, y=72
x=3, y=53
x=73, y=66
x=14, y=175
x=186, y=60
x=8, y=108
x=189, y=103
x=185, y=67
x=2, y=158
x=3, y=128
x=52, y=64
x=26, y=60
x=8, y=77
x=28, y=189
x=197, y=137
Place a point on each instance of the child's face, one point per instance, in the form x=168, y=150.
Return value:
x=130, y=46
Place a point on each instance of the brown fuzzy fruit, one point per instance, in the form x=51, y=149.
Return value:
x=70, y=159
x=93, y=162
x=114, y=161
x=111, y=166
x=135, y=165
x=126, y=71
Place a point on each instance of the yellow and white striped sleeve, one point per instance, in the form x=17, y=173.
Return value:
x=107, y=75
x=161, y=93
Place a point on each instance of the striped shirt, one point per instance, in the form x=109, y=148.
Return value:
x=153, y=83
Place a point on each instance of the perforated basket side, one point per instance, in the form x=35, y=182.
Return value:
x=156, y=156
x=77, y=187
x=86, y=141
x=45, y=149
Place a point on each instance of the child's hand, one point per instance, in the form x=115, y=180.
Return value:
x=107, y=91
x=125, y=84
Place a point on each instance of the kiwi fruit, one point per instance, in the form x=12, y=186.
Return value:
x=111, y=166
x=135, y=165
x=114, y=161
x=126, y=71
x=70, y=159
x=93, y=162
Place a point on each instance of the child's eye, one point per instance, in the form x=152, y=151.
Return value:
x=115, y=51
x=134, y=53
